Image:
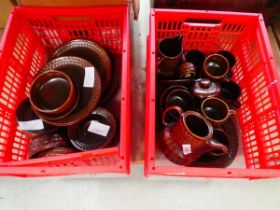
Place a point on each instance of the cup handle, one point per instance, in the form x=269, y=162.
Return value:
x=176, y=108
x=232, y=112
x=214, y=145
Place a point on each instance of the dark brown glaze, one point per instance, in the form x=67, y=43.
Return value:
x=216, y=110
x=109, y=94
x=93, y=53
x=229, y=56
x=83, y=140
x=170, y=51
x=45, y=142
x=74, y=67
x=52, y=92
x=56, y=152
x=186, y=70
x=54, y=117
x=25, y=113
x=231, y=92
x=179, y=97
x=196, y=57
x=231, y=129
x=191, y=131
x=204, y=88
x=216, y=67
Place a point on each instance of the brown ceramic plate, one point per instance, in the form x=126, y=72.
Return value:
x=25, y=116
x=45, y=142
x=56, y=152
x=93, y=53
x=95, y=132
x=74, y=67
x=229, y=127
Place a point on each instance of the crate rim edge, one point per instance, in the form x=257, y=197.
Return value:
x=123, y=152
x=151, y=169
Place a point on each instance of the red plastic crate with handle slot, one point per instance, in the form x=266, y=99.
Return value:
x=31, y=35
x=259, y=116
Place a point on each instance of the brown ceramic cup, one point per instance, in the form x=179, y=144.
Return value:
x=216, y=67
x=230, y=92
x=52, y=92
x=192, y=132
x=216, y=110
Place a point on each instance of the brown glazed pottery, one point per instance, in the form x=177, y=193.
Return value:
x=170, y=51
x=186, y=70
x=93, y=53
x=29, y=122
x=227, y=135
x=86, y=78
x=230, y=92
x=179, y=97
x=216, y=110
x=56, y=152
x=196, y=57
x=229, y=56
x=52, y=92
x=204, y=88
x=45, y=142
x=216, y=67
x=54, y=117
x=192, y=133
x=95, y=132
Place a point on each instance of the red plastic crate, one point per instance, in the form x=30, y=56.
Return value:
x=31, y=35
x=259, y=116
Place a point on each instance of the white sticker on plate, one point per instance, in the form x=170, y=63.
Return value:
x=89, y=77
x=32, y=125
x=187, y=149
x=98, y=128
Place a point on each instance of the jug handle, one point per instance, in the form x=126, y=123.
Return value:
x=176, y=108
x=215, y=145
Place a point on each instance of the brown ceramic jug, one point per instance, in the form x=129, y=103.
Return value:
x=170, y=52
x=192, y=132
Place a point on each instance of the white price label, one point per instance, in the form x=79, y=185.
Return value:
x=187, y=149
x=89, y=77
x=98, y=128
x=32, y=125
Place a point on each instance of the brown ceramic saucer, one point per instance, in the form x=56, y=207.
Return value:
x=74, y=67
x=25, y=116
x=56, y=152
x=97, y=131
x=208, y=160
x=45, y=142
x=93, y=53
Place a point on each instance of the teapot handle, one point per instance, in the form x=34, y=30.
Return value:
x=215, y=145
x=176, y=108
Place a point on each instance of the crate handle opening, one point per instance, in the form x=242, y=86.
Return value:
x=71, y=18
x=202, y=22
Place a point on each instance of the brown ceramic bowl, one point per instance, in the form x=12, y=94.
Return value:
x=55, y=117
x=52, y=92
x=95, y=132
x=78, y=69
x=30, y=123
